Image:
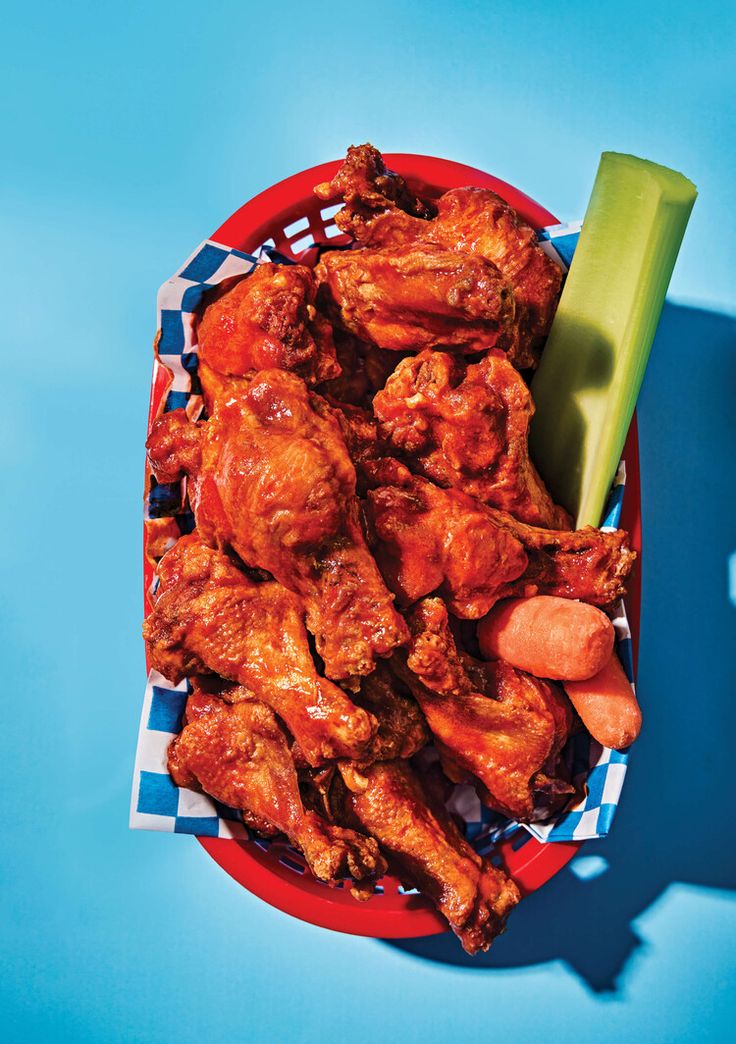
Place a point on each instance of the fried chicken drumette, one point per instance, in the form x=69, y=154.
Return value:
x=239, y=755
x=267, y=320
x=426, y=850
x=210, y=616
x=270, y=477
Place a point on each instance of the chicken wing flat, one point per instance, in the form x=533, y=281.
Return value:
x=271, y=478
x=479, y=221
x=437, y=540
x=494, y=726
x=416, y=296
x=467, y=426
x=381, y=211
x=430, y=539
x=427, y=851
x=209, y=616
x=239, y=755
x=267, y=320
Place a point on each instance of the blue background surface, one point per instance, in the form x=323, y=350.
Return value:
x=130, y=132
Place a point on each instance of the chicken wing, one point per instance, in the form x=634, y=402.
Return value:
x=381, y=211
x=267, y=320
x=590, y=564
x=494, y=726
x=239, y=755
x=270, y=477
x=467, y=426
x=427, y=851
x=367, y=189
x=430, y=539
x=481, y=222
x=210, y=616
x=416, y=296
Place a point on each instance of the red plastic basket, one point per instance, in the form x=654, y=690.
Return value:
x=289, y=217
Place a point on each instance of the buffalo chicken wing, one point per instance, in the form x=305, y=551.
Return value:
x=210, y=616
x=267, y=320
x=427, y=851
x=271, y=478
x=417, y=296
x=239, y=755
x=494, y=726
x=468, y=427
x=429, y=539
x=368, y=188
x=380, y=211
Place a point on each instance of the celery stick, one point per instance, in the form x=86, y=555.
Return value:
x=594, y=360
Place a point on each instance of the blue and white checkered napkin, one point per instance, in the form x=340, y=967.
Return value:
x=157, y=804
x=178, y=300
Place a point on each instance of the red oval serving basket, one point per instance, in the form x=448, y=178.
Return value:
x=289, y=217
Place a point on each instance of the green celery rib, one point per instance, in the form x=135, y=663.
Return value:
x=593, y=363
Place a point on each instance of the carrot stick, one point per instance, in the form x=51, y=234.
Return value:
x=607, y=705
x=548, y=636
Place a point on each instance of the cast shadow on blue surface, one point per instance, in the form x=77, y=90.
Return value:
x=673, y=823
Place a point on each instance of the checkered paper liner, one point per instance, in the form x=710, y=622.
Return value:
x=156, y=802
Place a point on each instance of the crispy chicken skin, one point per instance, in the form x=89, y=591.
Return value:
x=417, y=296
x=402, y=728
x=467, y=426
x=426, y=850
x=267, y=320
x=365, y=185
x=430, y=539
x=210, y=616
x=493, y=725
x=273, y=481
x=588, y=564
x=239, y=755
x=380, y=211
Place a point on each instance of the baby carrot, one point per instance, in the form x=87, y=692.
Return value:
x=548, y=636
x=607, y=705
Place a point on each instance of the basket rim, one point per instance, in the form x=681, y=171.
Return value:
x=273, y=205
